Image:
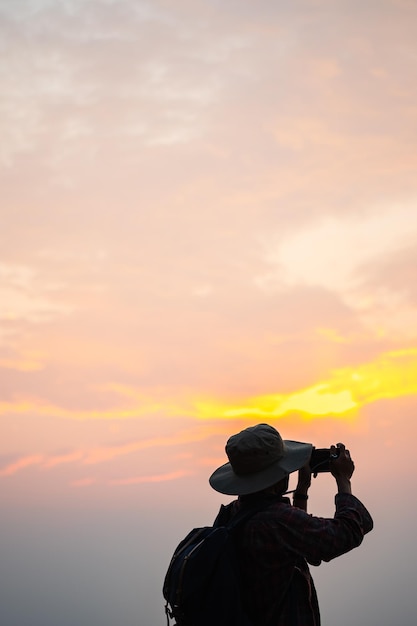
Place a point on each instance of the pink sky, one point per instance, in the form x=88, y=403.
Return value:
x=209, y=220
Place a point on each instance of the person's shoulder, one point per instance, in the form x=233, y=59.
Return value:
x=279, y=508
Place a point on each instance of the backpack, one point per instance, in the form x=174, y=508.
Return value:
x=202, y=585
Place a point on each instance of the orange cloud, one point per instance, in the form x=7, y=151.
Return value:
x=103, y=454
x=22, y=463
x=40, y=407
x=71, y=457
x=31, y=363
x=150, y=479
x=106, y=453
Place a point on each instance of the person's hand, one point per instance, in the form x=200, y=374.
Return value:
x=342, y=467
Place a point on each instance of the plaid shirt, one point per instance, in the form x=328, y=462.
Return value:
x=276, y=545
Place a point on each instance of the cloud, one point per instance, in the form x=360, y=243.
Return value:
x=330, y=252
x=22, y=363
x=27, y=297
x=82, y=67
x=99, y=455
x=157, y=478
x=21, y=464
x=61, y=459
x=342, y=254
x=395, y=273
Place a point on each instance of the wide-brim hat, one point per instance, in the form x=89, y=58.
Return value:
x=258, y=458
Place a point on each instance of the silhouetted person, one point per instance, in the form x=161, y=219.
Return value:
x=279, y=541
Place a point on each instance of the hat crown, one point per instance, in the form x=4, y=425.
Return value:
x=255, y=449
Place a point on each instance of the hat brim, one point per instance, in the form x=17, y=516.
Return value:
x=225, y=480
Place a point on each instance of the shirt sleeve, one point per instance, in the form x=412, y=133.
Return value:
x=322, y=539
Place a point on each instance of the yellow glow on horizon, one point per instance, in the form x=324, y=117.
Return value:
x=313, y=402
x=392, y=375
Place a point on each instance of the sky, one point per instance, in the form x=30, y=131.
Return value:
x=209, y=220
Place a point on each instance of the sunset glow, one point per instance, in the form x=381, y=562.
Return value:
x=209, y=220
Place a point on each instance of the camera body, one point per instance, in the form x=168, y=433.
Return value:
x=320, y=459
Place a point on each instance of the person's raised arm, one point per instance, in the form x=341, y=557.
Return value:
x=342, y=468
x=300, y=495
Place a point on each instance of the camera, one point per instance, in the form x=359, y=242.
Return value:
x=320, y=459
